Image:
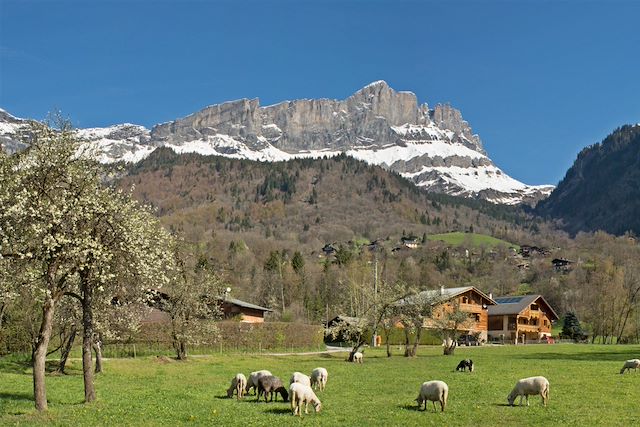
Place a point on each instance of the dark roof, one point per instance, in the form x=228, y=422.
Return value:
x=244, y=304
x=516, y=304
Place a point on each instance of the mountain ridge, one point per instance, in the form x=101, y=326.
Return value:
x=435, y=148
x=600, y=191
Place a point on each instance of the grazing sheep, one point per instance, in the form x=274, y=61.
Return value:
x=301, y=378
x=358, y=357
x=270, y=384
x=238, y=384
x=319, y=377
x=464, y=364
x=527, y=386
x=435, y=391
x=630, y=364
x=252, y=382
x=300, y=394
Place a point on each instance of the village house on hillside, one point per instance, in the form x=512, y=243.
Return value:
x=231, y=307
x=469, y=299
x=521, y=318
x=247, y=312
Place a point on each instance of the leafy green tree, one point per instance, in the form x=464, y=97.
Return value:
x=571, y=327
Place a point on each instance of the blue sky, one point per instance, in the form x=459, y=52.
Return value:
x=537, y=80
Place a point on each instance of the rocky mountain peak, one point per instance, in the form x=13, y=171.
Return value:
x=436, y=149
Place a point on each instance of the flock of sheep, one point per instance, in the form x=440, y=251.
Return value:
x=301, y=387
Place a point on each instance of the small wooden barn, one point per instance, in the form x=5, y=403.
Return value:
x=248, y=313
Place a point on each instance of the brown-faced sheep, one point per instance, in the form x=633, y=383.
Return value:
x=268, y=384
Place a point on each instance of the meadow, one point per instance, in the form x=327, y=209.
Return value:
x=586, y=389
x=458, y=238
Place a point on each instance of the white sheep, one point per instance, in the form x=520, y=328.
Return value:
x=252, y=382
x=301, y=378
x=299, y=394
x=358, y=357
x=319, y=377
x=527, y=386
x=630, y=364
x=435, y=391
x=238, y=384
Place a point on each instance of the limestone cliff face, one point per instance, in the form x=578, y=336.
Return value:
x=434, y=148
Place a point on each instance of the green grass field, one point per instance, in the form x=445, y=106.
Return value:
x=586, y=390
x=458, y=238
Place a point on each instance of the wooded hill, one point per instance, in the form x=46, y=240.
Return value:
x=250, y=217
x=601, y=191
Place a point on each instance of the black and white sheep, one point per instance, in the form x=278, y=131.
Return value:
x=630, y=364
x=464, y=364
x=299, y=377
x=302, y=394
x=238, y=385
x=435, y=391
x=268, y=384
x=252, y=381
x=528, y=386
x=319, y=377
x=358, y=357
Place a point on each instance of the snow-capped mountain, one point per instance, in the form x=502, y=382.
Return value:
x=434, y=148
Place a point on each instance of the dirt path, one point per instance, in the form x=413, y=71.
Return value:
x=310, y=353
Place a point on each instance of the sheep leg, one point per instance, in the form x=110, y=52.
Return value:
x=306, y=407
x=521, y=396
x=527, y=398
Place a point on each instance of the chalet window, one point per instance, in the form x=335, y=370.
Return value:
x=533, y=321
x=495, y=323
x=476, y=317
x=546, y=323
x=535, y=307
x=465, y=300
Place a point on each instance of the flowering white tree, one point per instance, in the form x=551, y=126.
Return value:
x=68, y=235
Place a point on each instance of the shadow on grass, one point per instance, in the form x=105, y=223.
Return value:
x=590, y=356
x=20, y=367
x=280, y=411
x=409, y=407
x=501, y=404
x=16, y=396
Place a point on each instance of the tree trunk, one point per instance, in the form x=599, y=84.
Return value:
x=449, y=350
x=387, y=343
x=40, y=354
x=414, y=351
x=97, y=348
x=66, y=349
x=407, y=339
x=3, y=307
x=87, y=324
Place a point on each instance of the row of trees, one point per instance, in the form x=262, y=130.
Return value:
x=76, y=254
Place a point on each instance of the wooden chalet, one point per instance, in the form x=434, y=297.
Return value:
x=467, y=298
x=248, y=313
x=521, y=318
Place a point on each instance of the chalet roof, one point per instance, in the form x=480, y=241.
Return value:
x=516, y=304
x=445, y=294
x=244, y=304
